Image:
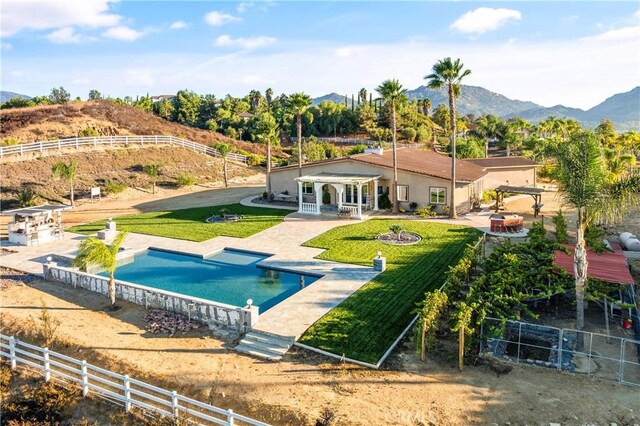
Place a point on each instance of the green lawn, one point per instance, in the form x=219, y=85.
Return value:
x=189, y=224
x=366, y=324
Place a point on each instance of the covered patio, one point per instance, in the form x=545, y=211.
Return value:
x=352, y=192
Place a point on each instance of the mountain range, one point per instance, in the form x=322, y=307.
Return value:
x=623, y=109
x=5, y=96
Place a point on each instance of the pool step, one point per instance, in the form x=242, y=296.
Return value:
x=262, y=345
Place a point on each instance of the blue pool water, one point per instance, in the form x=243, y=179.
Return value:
x=229, y=277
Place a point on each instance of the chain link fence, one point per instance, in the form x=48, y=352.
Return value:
x=597, y=355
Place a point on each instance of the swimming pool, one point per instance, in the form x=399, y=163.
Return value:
x=229, y=277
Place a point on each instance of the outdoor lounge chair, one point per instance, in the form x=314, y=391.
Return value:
x=344, y=214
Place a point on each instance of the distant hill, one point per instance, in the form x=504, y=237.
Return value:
x=623, y=109
x=5, y=96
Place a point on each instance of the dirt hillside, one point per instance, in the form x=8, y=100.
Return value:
x=120, y=165
x=49, y=122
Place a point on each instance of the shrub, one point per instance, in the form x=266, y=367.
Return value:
x=409, y=134
x=356, y=149
x=561, y=228
x=45, y=324
x=265, y=195
x=44, y=403
x=423, y=134
x=88, y=132
x=413, y=205
x=26, y=197
x=222, y=213
x=489, y=195
x=383, y=201
x=396, y=228
x=10, y=141
x=326, y=197
x=425, y=211
x=185, y=179
x=254, y=160
x=593, y=236
x=113, y=187
x=272, y=197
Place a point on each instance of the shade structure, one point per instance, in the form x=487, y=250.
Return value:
x=608, y=266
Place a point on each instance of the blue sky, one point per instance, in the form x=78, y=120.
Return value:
x=551, y=52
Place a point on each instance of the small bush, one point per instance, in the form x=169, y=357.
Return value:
x=272, y=197
x=222, y=213
x=356, y=149
x=265, y=195
x=489, y=195
x=10, y=141
x=186, y=179
x=593, y=236
x=561, y=228
x=383, y=201
x=413, y=205
x=26, y=197
x=409, y=134
x=44, y=403
x=425, y=211
x=254, y=160
x=326, y=197
x=88, y=132
x=45, y=324
x=396, y=228
x=113, y=187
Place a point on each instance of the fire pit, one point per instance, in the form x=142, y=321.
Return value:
x=506, y=223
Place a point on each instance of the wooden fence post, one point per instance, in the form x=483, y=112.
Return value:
x=461, y=348
x=230, y=418
x=47, y=365
x=12, y=351
x=85, y=379
x=127, y=394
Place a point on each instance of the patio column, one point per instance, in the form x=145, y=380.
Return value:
x=359, y=185
x=317, y=187
x=375, y=194
x=299, y=196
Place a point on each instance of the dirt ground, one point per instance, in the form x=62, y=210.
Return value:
x=300, y=387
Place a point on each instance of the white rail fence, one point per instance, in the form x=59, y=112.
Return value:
x=309, y=208
x=109, y=141
x=117, y=388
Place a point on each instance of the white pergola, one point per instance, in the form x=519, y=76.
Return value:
x=339, y=182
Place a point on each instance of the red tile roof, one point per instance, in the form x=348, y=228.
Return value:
x=427, y=163
x=492, y=162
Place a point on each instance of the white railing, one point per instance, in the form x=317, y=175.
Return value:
x=120, y=388
x=144, y=140
x=309, y=208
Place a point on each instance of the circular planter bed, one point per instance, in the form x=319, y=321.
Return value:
x=404, y=238
x=225, y=219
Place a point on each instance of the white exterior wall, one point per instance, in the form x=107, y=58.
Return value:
x=516, y=176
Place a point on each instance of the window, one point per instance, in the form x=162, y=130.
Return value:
x=403, y=193
x=307, y=187
x=438, y=195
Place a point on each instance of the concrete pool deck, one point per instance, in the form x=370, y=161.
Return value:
x=291, y=317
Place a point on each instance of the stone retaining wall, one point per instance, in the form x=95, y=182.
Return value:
x=233, y=319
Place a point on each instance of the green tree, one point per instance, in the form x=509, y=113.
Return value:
x=449, y=74
x=392, y=93
x=470, y=148
x=16, y=102
x=584, y=185
x=59, y=95
x=93, y=251
x=606, y=133
x=26, y=197
x=298, y=104
x=94, y=95
x=186, y=105
x=224, y=149
x=66, y=172
x=153, y=171
x=489, y=127
x=267, y=133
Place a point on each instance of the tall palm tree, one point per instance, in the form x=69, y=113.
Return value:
x=66, y=172
x=585, y=185
x=449, y=74
x=224, y=149
x=93, y=251
x=489, y=127
x=392, y=92
x=153, y=171
x=299, y=103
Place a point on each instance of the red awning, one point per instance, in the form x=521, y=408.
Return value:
x=607, y=266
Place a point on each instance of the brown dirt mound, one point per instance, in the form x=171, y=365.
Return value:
x=122, y=165
x=48, y=122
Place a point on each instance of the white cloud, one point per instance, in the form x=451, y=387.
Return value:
x=179, y=25
x=344, y=52
x=216, y=19
x=244, y=6
x=6, y=46
x=66, y=35
x=18, y=15
x=138, y=77
x=620, y=34
x=484, y=19
x=123, y=33
x=244, y=43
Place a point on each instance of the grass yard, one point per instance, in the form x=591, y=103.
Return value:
x=189, y=224
x=366, y=324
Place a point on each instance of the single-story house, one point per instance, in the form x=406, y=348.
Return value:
x=511, y=171
x=355, y=182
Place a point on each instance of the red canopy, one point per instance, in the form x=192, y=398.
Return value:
x=607, y=266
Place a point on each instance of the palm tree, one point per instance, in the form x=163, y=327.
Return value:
x=298, y=104
x=449, y=73
x=392, y=92
x=362, y=96
x=93, y=251
x=267, y=133
x=585, y=184
x=489, y=127
x=224, y=149
x=153, y=170
x=66, y=172
x=26, y=197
